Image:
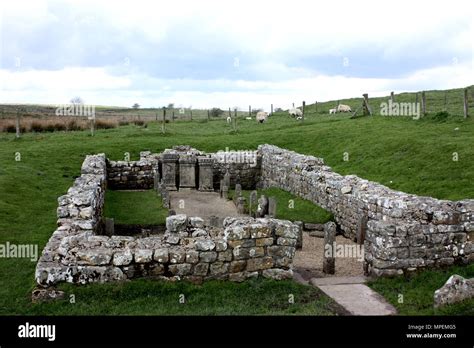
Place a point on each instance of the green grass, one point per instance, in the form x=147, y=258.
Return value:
x=418, y=290
x=151, y=297
x=450, y=101
x=291, y=207
x=404, y=154
x=135, y=207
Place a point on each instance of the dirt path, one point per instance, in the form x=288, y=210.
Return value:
x=309, y=260
x=202, y=204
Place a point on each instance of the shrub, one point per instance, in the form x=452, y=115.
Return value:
x=105, y=124
x=59, y=126
x=216, y=112
x=441, y=116
x=73, y=125
x=49, y=127
x=36, y=126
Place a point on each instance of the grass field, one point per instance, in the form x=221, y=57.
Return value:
x=418, y=289
x=290, y=207
x=404, y=154
x=135, y=207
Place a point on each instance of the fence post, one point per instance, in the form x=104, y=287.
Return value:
x=392, y=97
x=164, y=121
x=304, y=104
x=17, y=125
x=271, y=110
x=173, y=115
x=423, y=103
x=366, y=108
x=92, y=126
x=208, y=115
x=250, y=111
x=235, y=119
x=191, y=114
x=316, y=106
x=465, y=103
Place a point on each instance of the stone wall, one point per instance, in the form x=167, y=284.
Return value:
x=401, y=232
x=243, y=248
x=131, y=175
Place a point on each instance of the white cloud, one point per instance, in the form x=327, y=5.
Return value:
x=96, y=86
x=267, y=35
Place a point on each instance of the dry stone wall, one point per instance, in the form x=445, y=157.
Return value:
x=77, y=252
x=401, y=232
x=244, y=248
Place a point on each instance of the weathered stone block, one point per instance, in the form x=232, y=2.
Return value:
x=260, y=263
x=161, y=255
x=143, y=255
x=208, y=256
x=201, y=269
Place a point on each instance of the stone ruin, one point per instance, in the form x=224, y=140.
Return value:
x=400, y=232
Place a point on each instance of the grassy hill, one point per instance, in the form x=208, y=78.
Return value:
x=450, y=100
x=415, y=156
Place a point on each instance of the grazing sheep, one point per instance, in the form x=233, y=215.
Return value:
x=332, y=111
x=343, y=108
x=295, y=112
x=229, y=119
x=261, y=116
x=248, y=118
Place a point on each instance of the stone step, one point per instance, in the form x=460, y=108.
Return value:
x=358, y=299
x=338, y=280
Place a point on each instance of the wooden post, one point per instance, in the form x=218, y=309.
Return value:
x=17, y=123
x=92, y=125
x=156, y=116
x=271, y=110
x=173, y=115
x=466, y=113
x=366, y=108
x=208, y=115
x=416, y=100
x=304, y=104
x=250, y=111
x=423, y=103
x=235, y=119
x=191, y=114
x=392, y=97
x=316, y=107
x=163, y=127
x=293, y=105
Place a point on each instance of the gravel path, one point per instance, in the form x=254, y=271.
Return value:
x=309, y=260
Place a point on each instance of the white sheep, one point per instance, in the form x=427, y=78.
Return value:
x=295, y=112
x=261, y=116
x=229, y=119
x=343, y=108
x=332, y=111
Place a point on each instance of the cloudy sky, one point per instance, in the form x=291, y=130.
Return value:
x=230, y=53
